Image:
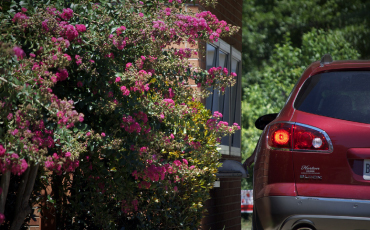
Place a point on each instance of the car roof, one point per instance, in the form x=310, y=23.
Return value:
x=316, y=67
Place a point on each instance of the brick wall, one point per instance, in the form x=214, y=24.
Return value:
x=224, y=206
x=35, y=224
x=231, y=12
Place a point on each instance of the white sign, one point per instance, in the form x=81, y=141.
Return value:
x=366, y=171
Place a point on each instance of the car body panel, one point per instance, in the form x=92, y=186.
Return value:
x=287, y=212
x=334, y=178
x=335, y=169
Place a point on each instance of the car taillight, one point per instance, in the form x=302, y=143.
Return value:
x=298, y=137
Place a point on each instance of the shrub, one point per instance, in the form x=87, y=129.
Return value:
x=97, y=105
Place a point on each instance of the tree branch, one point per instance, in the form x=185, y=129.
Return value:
x=24, y=208
x=22, y=188
x=3, y=79
x=4, y=184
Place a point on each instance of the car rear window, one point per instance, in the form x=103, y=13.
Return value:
x=342, y=95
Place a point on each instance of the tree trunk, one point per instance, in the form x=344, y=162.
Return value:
x=4, y=184
x=25, y=189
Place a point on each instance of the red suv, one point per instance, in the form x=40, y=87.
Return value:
x=312, y=162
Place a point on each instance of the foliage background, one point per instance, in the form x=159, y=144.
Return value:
x=281, y=38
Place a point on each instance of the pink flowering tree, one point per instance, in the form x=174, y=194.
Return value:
x=96, y=106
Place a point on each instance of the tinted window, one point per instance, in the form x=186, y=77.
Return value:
x=342, y=95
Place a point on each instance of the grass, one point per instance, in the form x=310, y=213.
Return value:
x=246, y=221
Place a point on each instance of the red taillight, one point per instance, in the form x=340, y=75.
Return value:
x=297, y=137
x=280, y=135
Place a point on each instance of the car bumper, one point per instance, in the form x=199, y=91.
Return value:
x=286, y=212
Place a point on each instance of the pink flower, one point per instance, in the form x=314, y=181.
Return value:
x=103, y=134
x=67, y=43
x=135, y=174
x=143, y=149
x=24, y=10
x=118, y=79
x=141, y=14
x=14, y=132
x=81, y=27
x=60, y=114
x=10, y=116
x=217, y=114
x=19, y=52
x=168, y=101
x=175, y=189
x=88, y=134
x=67, y=14
x=45, y=25
x=68, y=57
x=135, y=203
x=128, y=65
x=78, y=60
x=67, y=154
x=19, y=17
x=70, y=32
x=2, y=218
x=120, y=30
x=185, y=161
x=171, y=94
x=92, y=61
x=2, y=151
x=236, y=125
x=168, y=11
x=125, y=91
x=35, y=67
x=79, y=84
x=62, y=75
x=110, y=55
x=53, y=79
x=177, y=163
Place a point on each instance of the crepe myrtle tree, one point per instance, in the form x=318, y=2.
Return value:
x=96, y=105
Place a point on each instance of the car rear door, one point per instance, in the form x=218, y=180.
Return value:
x=337, y=103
